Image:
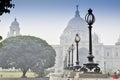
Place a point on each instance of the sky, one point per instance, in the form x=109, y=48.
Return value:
x=47, y=19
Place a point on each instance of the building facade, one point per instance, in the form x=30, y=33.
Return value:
x=108, y=56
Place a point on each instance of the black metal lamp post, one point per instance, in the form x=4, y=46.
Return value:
x=72, y=49
x=69, y=58
x=77, y=40
x=90, y=19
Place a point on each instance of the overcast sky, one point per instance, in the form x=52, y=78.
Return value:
x=48, y=18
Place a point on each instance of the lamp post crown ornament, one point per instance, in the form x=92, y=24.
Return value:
x=77, y=38
x=90, y=18
x=90, y=11
x=72, y=47
x=69, y=50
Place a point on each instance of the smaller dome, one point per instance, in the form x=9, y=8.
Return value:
x=14, y=25
x=15, y=22
x=14, y=29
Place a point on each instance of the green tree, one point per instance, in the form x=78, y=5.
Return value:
x=27, y=52
x=5, y=6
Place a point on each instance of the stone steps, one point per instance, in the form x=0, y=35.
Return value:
x=92, y=76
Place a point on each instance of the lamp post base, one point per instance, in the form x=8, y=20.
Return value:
x=90, y=68
x=77, y=68
x=71, y=67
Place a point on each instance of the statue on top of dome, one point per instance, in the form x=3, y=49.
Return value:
x=77, y=11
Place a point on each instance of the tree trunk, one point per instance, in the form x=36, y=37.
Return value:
x=24, y=74
x=41, y=74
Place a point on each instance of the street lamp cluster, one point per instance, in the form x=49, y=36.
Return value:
x=91, y=66
x=70, y=57
x=71, y=49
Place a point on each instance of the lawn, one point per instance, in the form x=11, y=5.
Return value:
x=13, y=74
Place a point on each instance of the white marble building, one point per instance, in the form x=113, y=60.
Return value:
x=108, y=56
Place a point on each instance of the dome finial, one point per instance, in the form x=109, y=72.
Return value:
x=77, y=7
x=77, y=11
x=15, y=19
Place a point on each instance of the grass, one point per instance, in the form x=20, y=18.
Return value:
x=13, y=74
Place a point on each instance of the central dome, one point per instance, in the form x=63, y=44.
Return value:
x=76, y=25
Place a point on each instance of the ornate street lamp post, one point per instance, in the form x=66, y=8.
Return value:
x=77, y=40
x=72, y=49
x=90, y=19
x=69, y=58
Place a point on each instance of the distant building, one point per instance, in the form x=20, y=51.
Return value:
x=108, y=56
x=14, y=29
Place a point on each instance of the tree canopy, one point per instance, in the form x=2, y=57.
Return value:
x=27, y=52
x=5, y=6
